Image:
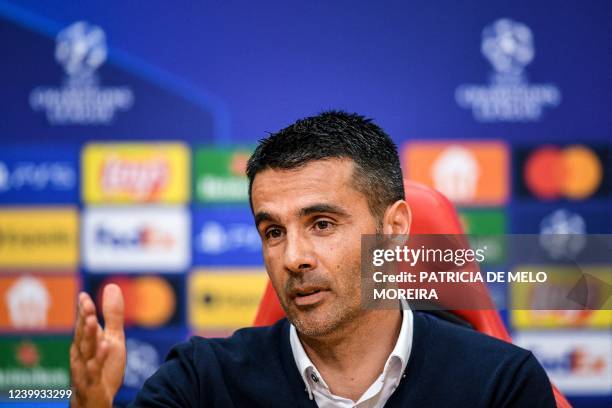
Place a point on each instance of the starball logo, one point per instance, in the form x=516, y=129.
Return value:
x=81, y=50
x=142, y=361
x=509, y=97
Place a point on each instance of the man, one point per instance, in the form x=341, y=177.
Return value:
x=315, y=188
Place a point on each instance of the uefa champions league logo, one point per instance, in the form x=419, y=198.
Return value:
x=142, y=361
x=562, y=234
x=509, y=97
x=81, y=50
x=508, y=46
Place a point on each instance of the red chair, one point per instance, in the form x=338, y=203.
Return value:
x=432, y=213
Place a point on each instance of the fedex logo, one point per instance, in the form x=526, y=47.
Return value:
x=143, y=237
x=578, y=362
x=136, y=239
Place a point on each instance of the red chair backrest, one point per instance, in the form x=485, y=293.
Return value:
x=432, y=213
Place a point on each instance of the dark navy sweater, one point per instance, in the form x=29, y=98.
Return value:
x=449, y=366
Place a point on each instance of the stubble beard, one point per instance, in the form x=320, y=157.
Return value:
x=333, y=318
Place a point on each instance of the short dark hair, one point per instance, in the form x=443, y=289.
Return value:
x=337, y=134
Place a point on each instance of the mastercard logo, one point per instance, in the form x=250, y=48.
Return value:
x=149, y=300
x=573, y=172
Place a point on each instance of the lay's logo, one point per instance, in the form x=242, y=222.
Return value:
x=142, y=180
x=136, y=173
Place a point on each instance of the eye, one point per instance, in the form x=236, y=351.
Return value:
x=273, y=233
x=322, y=225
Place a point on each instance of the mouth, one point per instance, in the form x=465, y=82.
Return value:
x=308, y=296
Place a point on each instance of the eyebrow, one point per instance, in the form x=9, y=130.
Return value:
x=304, y=212
x=323, y=208
x=261, y=217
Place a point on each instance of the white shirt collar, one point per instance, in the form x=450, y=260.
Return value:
x=391, y=372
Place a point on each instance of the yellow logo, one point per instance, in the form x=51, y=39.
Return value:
x=532, y=303
x=225, y=298
x=136, y=173
x=39, y=238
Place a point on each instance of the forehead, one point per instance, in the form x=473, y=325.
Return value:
x=320, y=181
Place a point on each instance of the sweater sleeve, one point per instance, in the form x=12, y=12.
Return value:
x=526, y=385
x=174, y=384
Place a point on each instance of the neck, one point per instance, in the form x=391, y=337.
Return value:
x=351, y=358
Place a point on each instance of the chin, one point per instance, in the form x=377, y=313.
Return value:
x=317, y=323
x=313, y=329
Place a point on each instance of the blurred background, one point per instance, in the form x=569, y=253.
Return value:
x=125, y=128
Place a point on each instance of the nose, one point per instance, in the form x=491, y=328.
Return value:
x=299, y=253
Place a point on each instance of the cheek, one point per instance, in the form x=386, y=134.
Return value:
x=342, y=260
x=274, y=269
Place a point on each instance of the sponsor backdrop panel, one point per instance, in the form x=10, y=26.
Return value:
x=580, y=363
x=115, y=168
x=39, y=174
x=34, y=363
x=574, y=172
x=152, y=301
x=136, y=239
x=145, y=353
x=37, y=303
x=136, y=173
x=225, y=236
x=568, y=218
x=219, y=175
x=467, y=172
x=224, y=298
x=38, y=237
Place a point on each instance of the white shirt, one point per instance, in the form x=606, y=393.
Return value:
x=379, y=392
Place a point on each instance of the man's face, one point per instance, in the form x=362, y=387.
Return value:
x=311, y=220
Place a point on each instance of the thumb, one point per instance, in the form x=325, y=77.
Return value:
x=113, y=310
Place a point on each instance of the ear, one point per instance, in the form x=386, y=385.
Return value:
x=397, y=219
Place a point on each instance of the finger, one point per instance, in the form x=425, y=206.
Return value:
x=77, y=371
x=94, y=366
x=78, y=331
x=87, y=346
x=113, y=310
x=86, y=309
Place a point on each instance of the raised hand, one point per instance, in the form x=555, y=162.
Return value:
x=97, y=355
